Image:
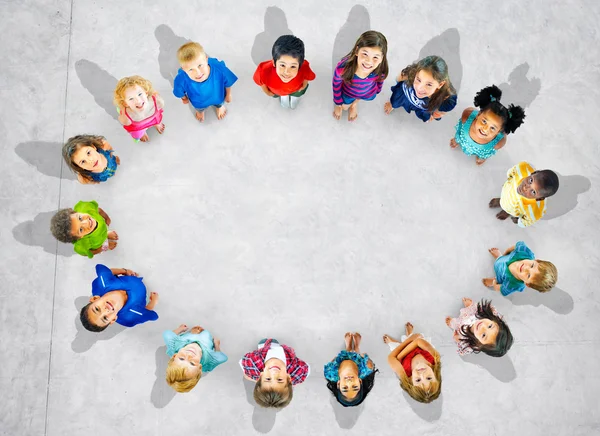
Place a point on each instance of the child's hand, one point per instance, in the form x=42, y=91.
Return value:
x=437, y=114
x=479, y=161
x=495, y=252
x=217, y=343
x=488, y=282
x=112, y=244
x=448, y=321
x=153, y=301
x=118, y=160
x=197, y=329
x=112, y=235
x=129, y=272
x=185, y=100
x=467, y=301
x=182, y=328
x=85, y=181
x=453, y=143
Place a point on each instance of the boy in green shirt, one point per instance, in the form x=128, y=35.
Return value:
x=86, y=227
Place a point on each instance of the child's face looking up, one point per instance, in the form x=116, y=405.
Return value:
x=103, y=310
x=485, y=331
x=425, y=85
x=88, y=158
x=529, y=187
x=486, y=126
x=526, y=270
x=422, y=373
x=349, y=382
x=274, y=376
x=188, y=358
x=287, y=68
x=369, y=59
x=82, y=224
x=197, y=69
x=136, y=98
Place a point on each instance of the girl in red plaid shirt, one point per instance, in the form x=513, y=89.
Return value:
x=275, y=369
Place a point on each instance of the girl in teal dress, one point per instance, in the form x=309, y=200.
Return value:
x=482, y=132
x=350, y=375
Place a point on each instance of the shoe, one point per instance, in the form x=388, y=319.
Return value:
x=294, y=102
x=285, y=101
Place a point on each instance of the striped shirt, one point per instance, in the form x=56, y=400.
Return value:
x=361, y=89
x=528, y=210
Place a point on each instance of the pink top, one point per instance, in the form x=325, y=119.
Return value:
x=467, y=317
x=152, y=120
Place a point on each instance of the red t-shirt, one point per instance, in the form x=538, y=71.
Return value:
x=266, y=74
x=407, y=361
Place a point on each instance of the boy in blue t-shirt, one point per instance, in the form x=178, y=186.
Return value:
x=202, y=81
x=118, y=295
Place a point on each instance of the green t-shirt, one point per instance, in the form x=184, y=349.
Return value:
x=95, y=239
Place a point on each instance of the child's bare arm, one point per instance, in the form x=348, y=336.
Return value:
x=96, y=251
x=466, y=113
x=304, y=85
x=160, y=103
x=500, y=144
x=266, y=90
x=509, y=250
x=123, y=117
x=153, y=301
x=104, y=215
x=182, y=328
x=424, y=345
x=400, y=349
x=397, y=367
x=228, y=95
x=106, y=145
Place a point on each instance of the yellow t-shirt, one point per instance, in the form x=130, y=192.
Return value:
x=528, y=210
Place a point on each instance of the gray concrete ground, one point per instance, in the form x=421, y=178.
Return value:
x=293, y=225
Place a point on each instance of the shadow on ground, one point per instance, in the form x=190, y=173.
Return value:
x=556, y=300
x=46, y=157
x=567, y=196
x=37, y=233
x=99, y=83
x=358, y=22
x=263, y=419
x=501, y=368
x=275, y=26
x=162, y=393
x=84, y=340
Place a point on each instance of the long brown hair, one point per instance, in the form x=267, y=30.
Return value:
x=370, y=38
x=74, y=144
x=437, y=67
x=418, y=393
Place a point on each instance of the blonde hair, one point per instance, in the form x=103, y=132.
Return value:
x=189, y=51
x=128, y=82
x=270, y=398
x=435, y=387
x=177, y=379
x=546, y=279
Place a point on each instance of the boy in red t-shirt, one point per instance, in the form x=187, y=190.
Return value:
x=285, y=77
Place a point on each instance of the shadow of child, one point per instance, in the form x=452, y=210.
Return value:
x=263, y=419
x=501, y=368
x=84, y=340
x=37, y=233
x=566, y=198
x=99, y=83
x=45, y=157
x=346, y=417
x=275, y=26
x=357, y=23
x=169, y=43
x=162, y=393
x=556, y=300
x=428, y=412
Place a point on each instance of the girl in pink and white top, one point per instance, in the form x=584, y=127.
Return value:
x=360, y=74
x=480, y=328
x=140, y=107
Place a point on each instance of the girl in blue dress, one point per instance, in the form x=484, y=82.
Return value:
x=425, y=88
x=91, y=158
x=350, y=375
x=483, y=132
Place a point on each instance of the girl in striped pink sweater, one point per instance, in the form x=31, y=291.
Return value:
x=360, y=74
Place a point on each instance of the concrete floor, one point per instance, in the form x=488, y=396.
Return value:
x=293, y=225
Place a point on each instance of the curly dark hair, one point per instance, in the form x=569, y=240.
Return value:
x=365, y=387
x=288, y=45
x=85, y=321
x=548, y=180
x=504, y=338
x=370, y=38
x=488, y=99
x=60, y=226
x=438, y=68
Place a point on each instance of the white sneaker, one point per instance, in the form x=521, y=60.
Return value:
x=294, y=102
x=285, y=101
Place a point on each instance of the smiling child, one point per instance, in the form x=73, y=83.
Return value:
x=285, y=77
x=86, y=227
x=118, y=295
x=202, y=81
x=524, y=194
x=519, y=268
x=91, y=158
x=140, y=107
